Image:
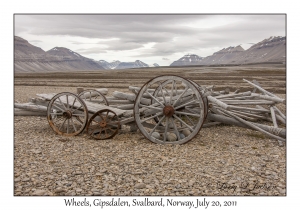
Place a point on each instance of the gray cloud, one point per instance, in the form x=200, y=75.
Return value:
x=79, y=43
x=170, y=33
x=166, y=59
x=120, y=45
x=94, y=50
x=35, y=41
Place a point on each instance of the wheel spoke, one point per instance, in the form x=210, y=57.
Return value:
x=183, y=122
x=79, y=120
x=166, y=129
x=67, y=101
x=182, y=105
x=111, y=118
x=73, y=104
x=58, y=107
x=157, y=125
x=166, y=91
x=99, y=114
x=193, y=111
x=95, y=121
x=176, y=130
x=62, y=103
x=73, y=125
x=175, y=89
x=91, y=129
x=154, y=98
x=77, y=108
x=171, y=92
x=99, y=134
x=190, y=120
x=149, y=118
x=162, y=92
x=105, y=133
x=111, y=130
x=180, y=95
x=55, y=113
x=58, y=119
x=62, y=124
x=151, y=107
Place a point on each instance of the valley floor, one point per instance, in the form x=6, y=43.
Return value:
x=221, y=160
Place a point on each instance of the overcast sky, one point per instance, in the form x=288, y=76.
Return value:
x=152, y=39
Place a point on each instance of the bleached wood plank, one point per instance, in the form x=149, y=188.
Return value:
x=31, y=107
x=231, y=121
x=248, y=93
x=253, y=126
x=23, y=112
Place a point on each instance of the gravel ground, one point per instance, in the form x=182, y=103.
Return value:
x=221, y=160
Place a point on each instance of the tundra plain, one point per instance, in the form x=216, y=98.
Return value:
x=220, y=160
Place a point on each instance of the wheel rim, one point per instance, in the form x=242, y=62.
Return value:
x=205, y=101
x=67, y=114
x=104, y=124
x=173, y=119
x=93, y=96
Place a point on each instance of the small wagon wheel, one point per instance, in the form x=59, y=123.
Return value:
x=178, y=107
x=93, y=96
x=67, y=114
x=104, y=124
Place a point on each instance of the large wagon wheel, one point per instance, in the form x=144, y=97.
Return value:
x=93, y=96
x=104, y=124
x=67, y=114
x=177, y=114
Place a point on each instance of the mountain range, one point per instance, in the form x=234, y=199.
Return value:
x=29, y=58
x=272, y=49
x=124, y=65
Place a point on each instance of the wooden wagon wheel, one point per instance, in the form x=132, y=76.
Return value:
x=67, y=114
x=178, y=107
x=104, y=124
x=93, y=96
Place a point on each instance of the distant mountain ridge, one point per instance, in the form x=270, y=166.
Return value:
x=108, y=65
x=189, y=59
x=272, y=49
x=29, y=58
x=136, y=64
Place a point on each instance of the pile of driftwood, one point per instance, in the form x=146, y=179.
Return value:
x=246, y=110
x=255, y=109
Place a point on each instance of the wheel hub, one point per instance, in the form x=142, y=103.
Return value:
x=67, y=114
x=102, y=124
x=168, y=111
